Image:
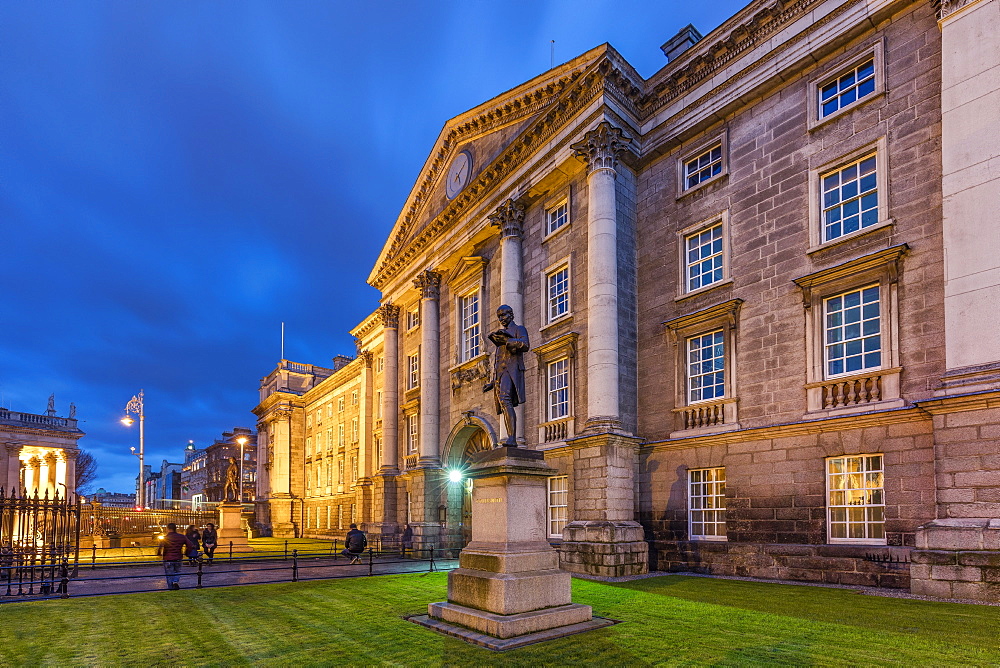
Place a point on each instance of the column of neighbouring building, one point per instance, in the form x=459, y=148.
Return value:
x=363, y=485
x=509, y=219
x=385, y=481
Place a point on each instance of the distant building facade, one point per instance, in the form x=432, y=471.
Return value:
x=760, y=288
x=112, y=499
x=40, y=451
x=194, y=476
x=163, y=487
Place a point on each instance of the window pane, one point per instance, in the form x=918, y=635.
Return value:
x=850, y=194
x=706, y=503
x=847, y=88
x=853, y=328
x=703, y=166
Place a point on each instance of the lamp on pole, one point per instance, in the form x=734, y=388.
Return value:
x=135, y=406
x=242, y=440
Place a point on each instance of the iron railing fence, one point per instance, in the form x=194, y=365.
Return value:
x=39, y=537
x=117, y=522
x=233, y=569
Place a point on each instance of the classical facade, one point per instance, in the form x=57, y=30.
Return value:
x=760, y=289
x=40, y=451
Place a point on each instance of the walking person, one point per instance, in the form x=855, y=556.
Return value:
x=354, y=544
x=195, y=537
x=172, y=549
x=209, y=541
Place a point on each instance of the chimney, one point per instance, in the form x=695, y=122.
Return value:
x=681, y=42
x=340, y=361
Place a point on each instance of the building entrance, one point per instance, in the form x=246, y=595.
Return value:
x=468, y=440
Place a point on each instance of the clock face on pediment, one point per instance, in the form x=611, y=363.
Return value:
x=459, y=174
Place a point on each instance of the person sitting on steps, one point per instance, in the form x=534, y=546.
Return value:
x=354, y=544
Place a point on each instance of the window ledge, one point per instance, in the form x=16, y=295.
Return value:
x=704, y=431
x=705, y=288
x=855, y=541
x=555, y=233
x=713, y=539
x=873, y=407
x=882, y=224
x=567, y=317
x=469, y=363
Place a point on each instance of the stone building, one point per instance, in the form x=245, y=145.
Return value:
x=41, y=451
x=760, y=288
x=194, y=476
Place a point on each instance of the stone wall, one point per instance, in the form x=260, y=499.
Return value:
x=957, y=558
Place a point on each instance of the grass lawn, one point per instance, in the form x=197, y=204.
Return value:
x=672, y=620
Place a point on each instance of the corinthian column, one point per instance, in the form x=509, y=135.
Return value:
x=429, y=284
x=389, y=316
x=600, y=149
x=509, y=219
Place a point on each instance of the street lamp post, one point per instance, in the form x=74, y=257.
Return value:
x=135, y=405
x=242, y=440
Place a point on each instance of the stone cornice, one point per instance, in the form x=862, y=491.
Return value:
x=74, y=434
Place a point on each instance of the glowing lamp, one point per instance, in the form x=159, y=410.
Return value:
x=455, y=475
x=127, y=421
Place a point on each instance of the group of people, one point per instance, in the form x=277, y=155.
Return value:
x=176, y=546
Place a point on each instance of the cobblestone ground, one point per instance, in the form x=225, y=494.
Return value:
x=148, y=576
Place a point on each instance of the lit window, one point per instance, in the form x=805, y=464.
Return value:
x=856, y=502
x=413, y=318
x=853, y=339
x=468, y=307
x=704, y=257
x=847, y=88
x=706, y=366
x=558, y=505
x=850, y=198
x=703, y=166
x=556, y=217
x=558, y=293
x=707, y=504
x=558, y=389
x=411, y=433
x=412, y=371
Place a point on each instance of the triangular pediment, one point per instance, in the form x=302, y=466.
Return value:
x=485, y=134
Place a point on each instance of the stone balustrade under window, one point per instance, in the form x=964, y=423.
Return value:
x=714, y=414
x=555, y=430
x=852, y=392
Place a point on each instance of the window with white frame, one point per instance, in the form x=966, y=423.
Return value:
x=319, y=416
x=413, y=318
x=329, y=472
x=412, y=423
x=556, y=217
x=340, y=471
x=329, y=438
x=557, y=293
x=706, y=362
x=707, y=504
x=702, y=167
x=355, y=431
x=340, y=404
x=704, y=257
x=852, y=331
x=847, y=88
x=354, y=398
x=850, y=197
x=558, y=505
x=309, y=421
x=856, y=499
x=412, y=371
x=557, y=399
x=329, y=410
x=381, y=363
x=340, y=434
x=378, y=405
x=468, y=308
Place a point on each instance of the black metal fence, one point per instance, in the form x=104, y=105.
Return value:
x=39, y=541
x=121, y=522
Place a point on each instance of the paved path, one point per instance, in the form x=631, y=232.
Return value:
x=149, y=576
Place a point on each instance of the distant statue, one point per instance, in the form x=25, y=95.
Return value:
x=51, y=410
x=72, y=411
x=507, y=383
x=232, y=489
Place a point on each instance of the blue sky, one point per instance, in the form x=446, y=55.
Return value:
x=178, y=178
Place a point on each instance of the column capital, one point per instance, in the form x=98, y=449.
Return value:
x=509, y=217
x=388, y=315
x=601, y=147
x=429, y=284
x=367, y=357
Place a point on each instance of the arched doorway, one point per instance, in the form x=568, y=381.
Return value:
x=474, y=435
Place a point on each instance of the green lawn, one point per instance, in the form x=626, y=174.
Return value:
x=671, y=620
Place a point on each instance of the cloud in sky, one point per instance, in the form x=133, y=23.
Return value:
x=177, y=179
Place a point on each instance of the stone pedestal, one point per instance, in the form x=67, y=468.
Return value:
x=231, y=528
x=508, y=585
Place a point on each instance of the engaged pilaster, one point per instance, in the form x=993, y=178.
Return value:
x=600, y=148
x=429, y=284
x=13, y=480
